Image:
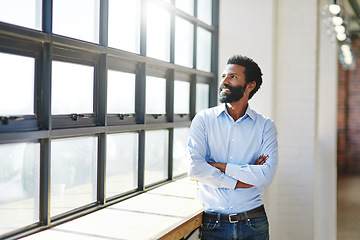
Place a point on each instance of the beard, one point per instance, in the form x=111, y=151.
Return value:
x=235, y=94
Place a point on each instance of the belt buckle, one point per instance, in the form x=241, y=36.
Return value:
x=231, y=221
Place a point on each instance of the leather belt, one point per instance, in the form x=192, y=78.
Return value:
x=234, y=218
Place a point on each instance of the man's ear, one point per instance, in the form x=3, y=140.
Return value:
x=251, y=86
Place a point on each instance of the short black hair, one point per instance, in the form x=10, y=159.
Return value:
x=252, y=71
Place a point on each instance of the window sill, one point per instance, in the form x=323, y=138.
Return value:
x=166, y=212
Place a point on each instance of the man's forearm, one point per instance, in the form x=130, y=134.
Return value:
x=242, y=185
x=222, y=167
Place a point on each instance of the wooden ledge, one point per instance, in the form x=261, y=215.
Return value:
x=180, y=230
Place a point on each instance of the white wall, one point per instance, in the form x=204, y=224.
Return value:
x=286, y=38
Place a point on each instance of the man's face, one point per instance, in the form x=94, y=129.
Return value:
x=233, y=84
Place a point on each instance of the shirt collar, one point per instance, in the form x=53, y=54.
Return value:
x=222, y=109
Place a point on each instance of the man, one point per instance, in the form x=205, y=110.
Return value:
x=233, y=155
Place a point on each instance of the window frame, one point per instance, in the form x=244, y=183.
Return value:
x=42, y=127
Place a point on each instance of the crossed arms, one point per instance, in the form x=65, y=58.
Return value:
x=231, y=175
x=222, y=167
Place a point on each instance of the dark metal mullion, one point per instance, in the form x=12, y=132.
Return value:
x=193, y=97
x=170, y=118
x=102, y=104
x=45, y=175
x=101, y=112
x=170, y=155
x=195, y=37
x=170, y=96
x=140, y=119
x=141, y=161
x=103, y=31
x=214, y=54
x=143, y=27
x=43, y=111
x=101, y=170
x=172, y=37
x=194, y=77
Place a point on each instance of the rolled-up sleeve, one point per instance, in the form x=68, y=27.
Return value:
x=259, y=175
x=198, y=153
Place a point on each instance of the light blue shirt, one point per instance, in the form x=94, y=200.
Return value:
x=216, y=137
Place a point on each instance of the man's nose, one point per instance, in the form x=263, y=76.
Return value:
x=225, y=80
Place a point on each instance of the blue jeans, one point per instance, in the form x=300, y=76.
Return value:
x=249, y=229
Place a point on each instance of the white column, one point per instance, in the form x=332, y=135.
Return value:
x=286, y=38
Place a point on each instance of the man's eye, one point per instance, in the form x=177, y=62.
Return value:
x=233, y=76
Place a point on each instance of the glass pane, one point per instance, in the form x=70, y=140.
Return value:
x=73, y=173
x=158, y=32
x=181, y=97
x=19, y=185
x=124, y=25
x=77, y=19
x=156, y=156
x=17, y=85
x=179, y=154
x=203, y=50
x=121, y=92
x=26, y=13
x=121, y=163
x=186, y=5
x=202, y=96
x=155, y=95
x=72, y=88
x=204, y=11
x=184, y=36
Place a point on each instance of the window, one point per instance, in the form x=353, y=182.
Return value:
x=97, y=100
x=72, y=88
x=121, y=92
x=202, y=96
x=204, y=49
x=155, y=95
x=124, y=17
x=158, y=32
x=179, y=152
x=181, y=97
x=184, y=42
x=19, y=178
x=29, y=10
x=77, y=19
x=121, y=163
x=15, y=83
x=156, y=156
x=73, y=173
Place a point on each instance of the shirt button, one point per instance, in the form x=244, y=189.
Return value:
x=232, y=140
x=231, y=206
x=230, y=157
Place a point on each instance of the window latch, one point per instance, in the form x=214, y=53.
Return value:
x=5, y=120
x=76, y=116
x=122, y=116
x=156, y=116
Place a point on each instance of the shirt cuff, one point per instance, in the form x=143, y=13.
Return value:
x=228, y=182
x=231, y=170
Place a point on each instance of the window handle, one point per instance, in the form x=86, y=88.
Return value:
x=76, y=116
x=156, y=115
x=5, y=119
x=122, y=116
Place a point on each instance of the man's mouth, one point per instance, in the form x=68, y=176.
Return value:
x=225, y=90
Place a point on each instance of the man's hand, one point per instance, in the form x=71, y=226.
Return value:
x=261, y=160
x=219, y=165
x=222, y=167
